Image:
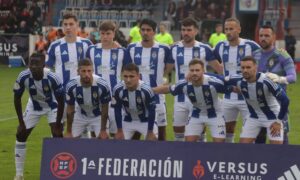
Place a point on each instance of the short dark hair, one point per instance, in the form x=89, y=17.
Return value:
x=85, y=62
x=233, y=20
x=69, y=16
x=107, y=25
x=149, y=22
x=267, y=26
x=131, y=67
x=37, y=56
x=196, y=61
x=248, y=58
x=189, y=22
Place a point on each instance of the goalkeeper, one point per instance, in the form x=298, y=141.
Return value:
x=279, y=67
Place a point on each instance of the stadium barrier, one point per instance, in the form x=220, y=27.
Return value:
x=85, y=159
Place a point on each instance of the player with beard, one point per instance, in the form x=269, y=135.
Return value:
x=267, y=103
x=87, y=97
x=278, y=65
x=230, y=53
x=182, y=53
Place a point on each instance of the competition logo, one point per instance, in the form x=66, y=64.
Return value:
x=196, y=54
x=198, y=170
x=63, y=165
x=114, y=56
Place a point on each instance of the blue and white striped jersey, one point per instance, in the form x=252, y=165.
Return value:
x=138, y=105
x=107, y=62
x=64, y=57
x=88, y=99
x=204, y=98
x=151, y=63
x=265, y=99
x=231, y=56
x=41, y=93
x=181, y=57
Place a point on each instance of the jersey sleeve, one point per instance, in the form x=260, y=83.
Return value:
x=50, y=58
x=56, y=84
x=168, y=59
x=178, y=88
x=216, y=51
x=19, y=85
x=70, y=98
x=209, y=54
x=280, y=95
x=117, y=105
x=105, y=96
x=151, y=105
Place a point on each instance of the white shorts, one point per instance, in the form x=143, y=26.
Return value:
x=82, y=123
x=231, y=109
x=252, y=127
x=181, y=112
x=32, y=117
x=129, y=128
x=216, y=125
x=161, y=114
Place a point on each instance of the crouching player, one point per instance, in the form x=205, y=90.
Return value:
x=134, y=103
x=46, y=97
x=267, y=103
x=202, y=91
x=87, y=97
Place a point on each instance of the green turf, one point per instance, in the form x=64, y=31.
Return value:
x=34, y=145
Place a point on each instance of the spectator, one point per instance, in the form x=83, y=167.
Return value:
x=164, y=37
x=82, y=33
x=217, y=36
x=59, y=34
x=170, y=14
x=51, y=34
x=40, y=44
x=181, y=13
x=23, y=29
x=199, y=12
x=290, y=42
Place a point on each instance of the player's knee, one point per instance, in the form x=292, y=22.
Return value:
x=21, y=136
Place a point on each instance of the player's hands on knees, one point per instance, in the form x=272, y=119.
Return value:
x=275, y=128
x=103, y=135
x=119, y=135
x=151, y=136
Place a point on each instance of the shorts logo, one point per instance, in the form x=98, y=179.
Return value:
x=63, y=165
x=198, y=170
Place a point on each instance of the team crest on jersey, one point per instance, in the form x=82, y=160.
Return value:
x=16, y=86
x=241, y=51
x=154, y=55
x=79, y=50
x=46, y=88
x=114, y=56
x=196, y=54
x=271, y=62
x=95, y=95
x=138, y=100
x=206, y=93
x=259, y=92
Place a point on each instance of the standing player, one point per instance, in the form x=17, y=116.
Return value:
x=108, y=58
x=64, y=53
x=46, y=98
x=182, y=53
x=202, y=91
x=134, y=103
x=266, y=101
x=87, y=97
x=278, y=65
x=230, y=53
x=153, y=61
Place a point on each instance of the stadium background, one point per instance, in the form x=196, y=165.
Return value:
x=43, y=15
